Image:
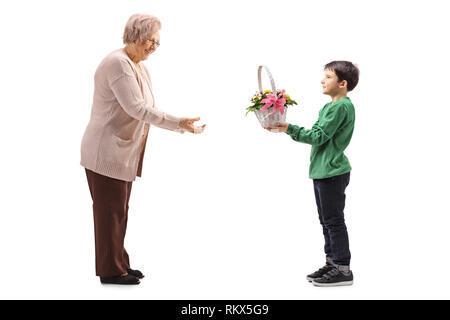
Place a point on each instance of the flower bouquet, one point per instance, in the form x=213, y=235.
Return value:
x=270, y=106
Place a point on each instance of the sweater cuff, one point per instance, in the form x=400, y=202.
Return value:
x=178, y=128
x=172, y=122
x=291, y=129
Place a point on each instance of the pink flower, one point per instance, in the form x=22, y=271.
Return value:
x=272, y=100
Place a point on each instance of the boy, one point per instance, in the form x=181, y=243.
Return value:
x=330, y=168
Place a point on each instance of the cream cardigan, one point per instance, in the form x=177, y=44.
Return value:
x=114, y=141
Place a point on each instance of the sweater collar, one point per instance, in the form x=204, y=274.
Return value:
x=340, y=100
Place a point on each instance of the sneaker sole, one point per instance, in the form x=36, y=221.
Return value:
x=120, y=284
x=337, y=284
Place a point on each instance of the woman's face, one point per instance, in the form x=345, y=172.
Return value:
x=147, y=46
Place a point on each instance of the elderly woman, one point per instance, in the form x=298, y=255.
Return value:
x=113, y=145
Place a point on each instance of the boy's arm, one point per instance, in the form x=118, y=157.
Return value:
x=324, y=128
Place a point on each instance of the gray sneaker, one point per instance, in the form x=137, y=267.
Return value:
x=334, y=278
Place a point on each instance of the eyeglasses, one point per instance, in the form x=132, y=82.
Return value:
x=154, y=43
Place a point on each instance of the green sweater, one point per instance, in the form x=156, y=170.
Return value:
x=329, y=137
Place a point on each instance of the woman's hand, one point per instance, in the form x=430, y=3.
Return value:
x=281, y=127
x=188, y=124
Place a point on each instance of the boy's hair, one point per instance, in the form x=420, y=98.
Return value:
x=345, y=70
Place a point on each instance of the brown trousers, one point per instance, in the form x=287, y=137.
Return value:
x=110, y=205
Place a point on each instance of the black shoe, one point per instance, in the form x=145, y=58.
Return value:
x=128, y=279
x=135, y=273
x=334, y=278
x=319, y=273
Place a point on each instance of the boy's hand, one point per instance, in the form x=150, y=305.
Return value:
x=281, y=127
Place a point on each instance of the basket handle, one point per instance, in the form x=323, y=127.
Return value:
x=274, y=89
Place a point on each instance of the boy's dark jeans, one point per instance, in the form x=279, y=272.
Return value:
x=330, y=199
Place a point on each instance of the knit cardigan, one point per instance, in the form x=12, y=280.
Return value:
x=122, y=112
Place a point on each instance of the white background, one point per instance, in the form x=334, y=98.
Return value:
x=231, y=213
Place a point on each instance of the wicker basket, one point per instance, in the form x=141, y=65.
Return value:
x=267, y=118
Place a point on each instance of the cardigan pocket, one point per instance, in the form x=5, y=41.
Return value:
x=122, y=141
x=124, y=150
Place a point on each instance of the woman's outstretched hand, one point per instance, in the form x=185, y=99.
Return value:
x=188, y=125
x=281, y=127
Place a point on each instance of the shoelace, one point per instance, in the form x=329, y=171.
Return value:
x=330, y=274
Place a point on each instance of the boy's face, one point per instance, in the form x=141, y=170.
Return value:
x=331, y=84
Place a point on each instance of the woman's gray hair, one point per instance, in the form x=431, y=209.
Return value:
x=139, y=27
